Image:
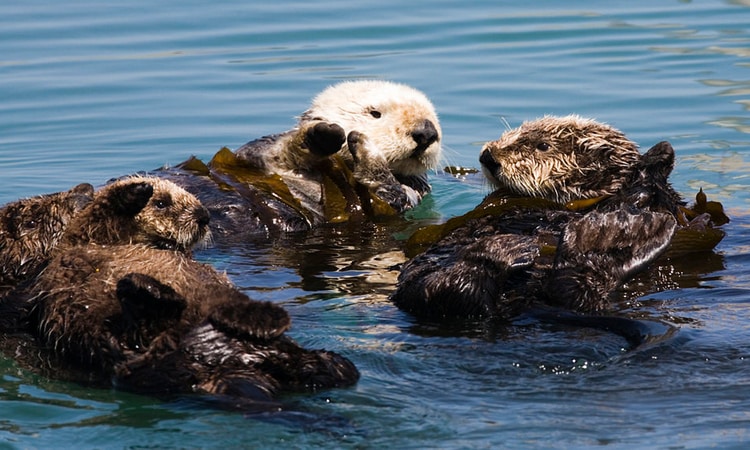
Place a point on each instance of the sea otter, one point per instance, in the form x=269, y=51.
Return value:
x=122, y=301
x=140, y=210
x=572, y=158
x=30, y=229
x=595, y=213
x=312, y=174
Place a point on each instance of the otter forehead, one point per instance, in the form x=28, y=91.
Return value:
x=570, y=133
x=561, y=158
x=355, y=100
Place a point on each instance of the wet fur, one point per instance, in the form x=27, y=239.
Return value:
x=31, y=228
x=550, y=256
x=141, y=210
x=123, y=301
x=561, y=159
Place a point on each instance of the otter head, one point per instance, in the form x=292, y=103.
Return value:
x=31, y=228
x=561, y=159
x=145, y=210
x=399, y=120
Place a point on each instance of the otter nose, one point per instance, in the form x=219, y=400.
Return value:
x=489, y=163
x=424, y=135
x=202, y=217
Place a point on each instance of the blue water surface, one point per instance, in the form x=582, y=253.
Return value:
x=93, y=90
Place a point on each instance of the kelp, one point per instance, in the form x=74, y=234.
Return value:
x=459, y=170
x=696, y=232
x=344, y=199
x=496, y=204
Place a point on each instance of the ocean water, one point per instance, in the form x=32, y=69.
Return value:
x=92, y=90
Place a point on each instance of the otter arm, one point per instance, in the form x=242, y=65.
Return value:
x=600, y=251
x=296, y=150
x=453, y=279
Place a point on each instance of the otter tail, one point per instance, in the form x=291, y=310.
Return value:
x=636, y=332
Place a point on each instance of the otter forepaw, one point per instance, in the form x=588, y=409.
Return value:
x=142, y=296
x=355, y=142
x=324, y=138
x=262, y=320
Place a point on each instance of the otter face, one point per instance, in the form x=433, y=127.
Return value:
x=31, y=228
x=399, y=120
x=173, y=218
x=561, y=159
x=143, y=210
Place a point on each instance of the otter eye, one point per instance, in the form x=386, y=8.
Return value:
x=375, y=113
x=30, y=224
x=542, y=146
x=162, y=203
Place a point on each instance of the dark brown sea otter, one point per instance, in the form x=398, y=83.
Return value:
x=123, y=302
x=30, y=229
x=594, y=212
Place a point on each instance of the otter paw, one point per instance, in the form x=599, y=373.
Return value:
x=355, y=142
x=370, y=166
x=142, y=296
x=324, y=138
x=243, y=316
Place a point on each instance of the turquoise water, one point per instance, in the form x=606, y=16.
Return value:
x=90, y=91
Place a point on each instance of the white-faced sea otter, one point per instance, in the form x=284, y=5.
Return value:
x=362, y=150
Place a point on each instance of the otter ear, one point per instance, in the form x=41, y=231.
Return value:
x=82, y=195
x=129, y=199
x=83, y=189
x=658, y=161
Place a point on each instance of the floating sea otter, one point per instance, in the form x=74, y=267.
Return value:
x=30, y=229
x=362, y=150
x=122, y=302
x=594, y=213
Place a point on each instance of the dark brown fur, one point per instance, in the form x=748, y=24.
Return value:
x=563, y=159
x=550, y=255
x=31, y=228
x=122, y=300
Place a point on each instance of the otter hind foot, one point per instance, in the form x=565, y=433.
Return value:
x=636, y=332
x=324, y=138
x=243, y=316
x=601, y=250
